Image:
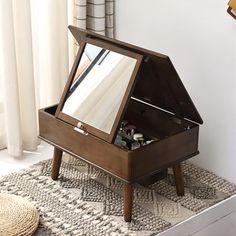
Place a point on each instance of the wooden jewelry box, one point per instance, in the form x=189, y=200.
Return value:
x=124, y=110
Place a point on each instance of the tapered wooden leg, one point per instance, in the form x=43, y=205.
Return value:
x=128, y=202
x=56, y=163
x=178, y=179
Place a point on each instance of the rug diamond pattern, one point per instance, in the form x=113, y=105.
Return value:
x=86, y=201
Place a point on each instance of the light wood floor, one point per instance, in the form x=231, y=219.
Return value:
x=10, y=164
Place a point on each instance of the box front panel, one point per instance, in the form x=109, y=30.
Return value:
x=91, y=149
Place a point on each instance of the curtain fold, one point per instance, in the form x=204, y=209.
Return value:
x=96, y=16
x=50, y=43
x=25, y=75
x=33, y=67
x=2, y=123
x=9, y=79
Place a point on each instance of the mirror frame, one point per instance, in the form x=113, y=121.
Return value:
x=109, y=137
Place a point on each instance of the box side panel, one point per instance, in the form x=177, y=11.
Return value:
x=164, y=153
x=87, y=147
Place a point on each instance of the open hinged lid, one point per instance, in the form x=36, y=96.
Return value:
x=154, y=81
x=158, y=82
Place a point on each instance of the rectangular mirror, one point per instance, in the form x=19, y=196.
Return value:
x=99, y=88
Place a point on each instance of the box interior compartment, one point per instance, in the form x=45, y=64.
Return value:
x=154, y=123
x=51, y=110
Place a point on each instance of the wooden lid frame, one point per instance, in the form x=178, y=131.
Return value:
x=109, y=137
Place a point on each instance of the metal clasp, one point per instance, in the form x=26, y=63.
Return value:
x=81, y=128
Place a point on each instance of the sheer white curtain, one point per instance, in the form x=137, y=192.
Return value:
x=33, y=66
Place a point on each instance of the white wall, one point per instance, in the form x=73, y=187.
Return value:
x=200, y=38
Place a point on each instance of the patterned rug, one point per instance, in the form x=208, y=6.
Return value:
x=86, y=201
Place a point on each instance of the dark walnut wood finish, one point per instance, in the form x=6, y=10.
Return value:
x=128, y=166
x=161, y=115
x=57, y=156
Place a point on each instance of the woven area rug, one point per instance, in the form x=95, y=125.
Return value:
x=86, y=201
